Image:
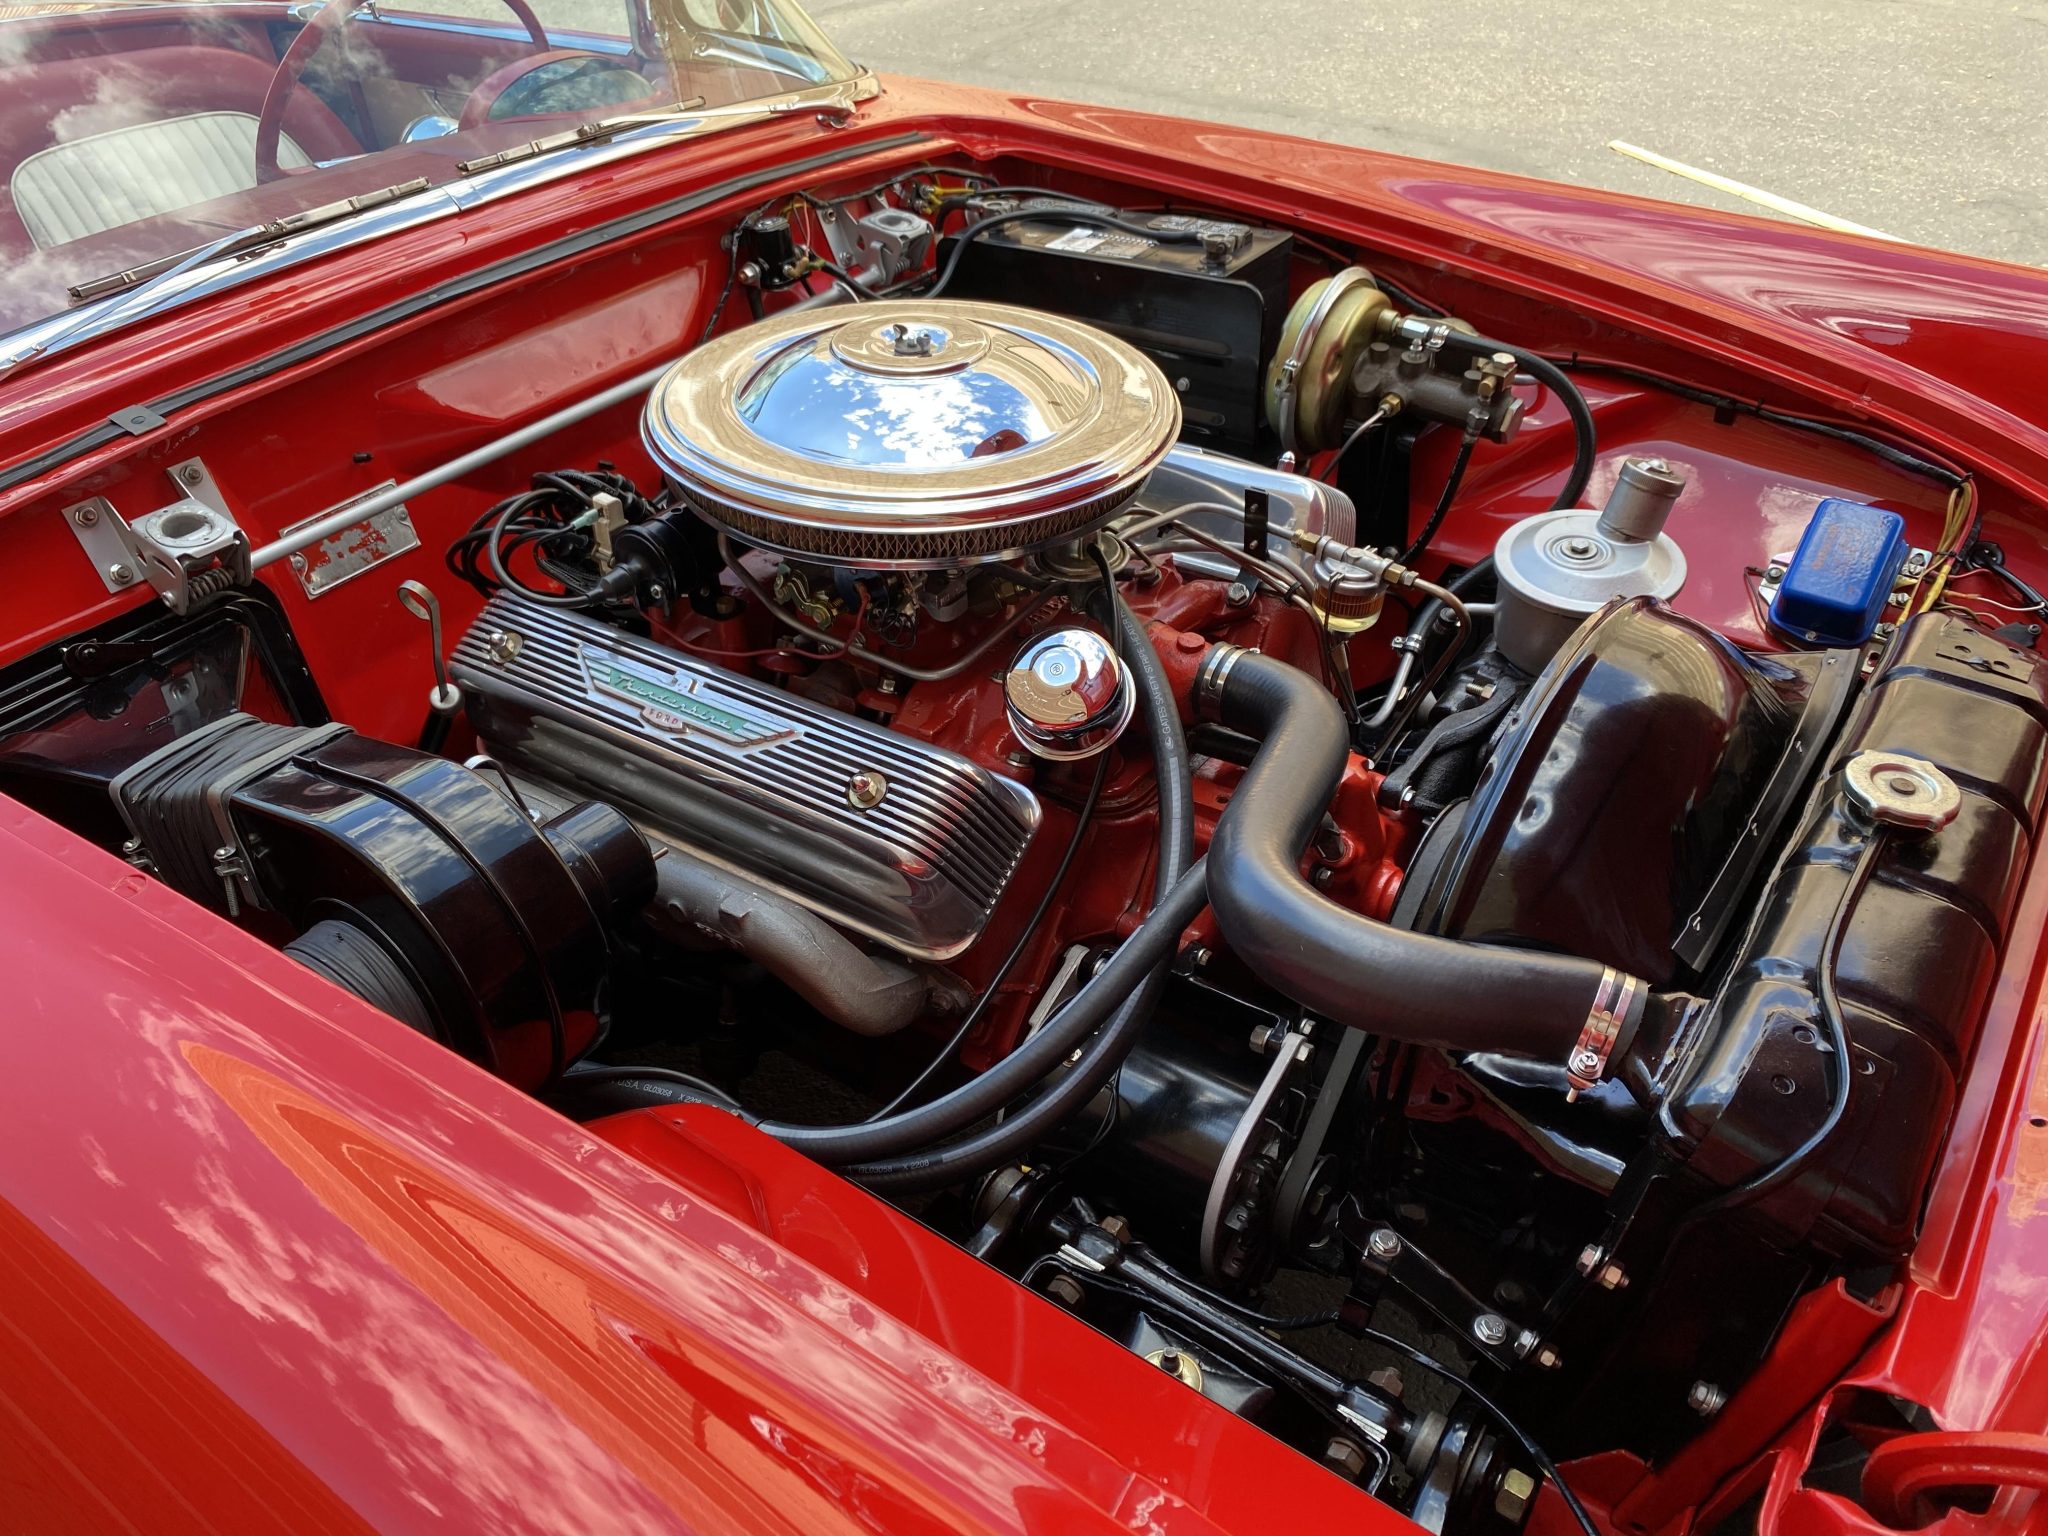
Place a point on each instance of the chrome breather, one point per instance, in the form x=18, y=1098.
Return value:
x=884, y=835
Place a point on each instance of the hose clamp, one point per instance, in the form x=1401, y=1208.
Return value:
x=1613, y=1001
x=1206, y=696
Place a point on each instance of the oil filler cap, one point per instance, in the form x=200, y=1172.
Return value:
x=1896, y=789
x=1068, y=694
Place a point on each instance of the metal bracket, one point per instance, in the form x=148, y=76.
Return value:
x=1393, y=1258
x=187, y=551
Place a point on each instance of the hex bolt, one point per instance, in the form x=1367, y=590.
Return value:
x=1265, y=1037
x=1066, y=1290
x=1346, y=1457
x=1511, y=1498
x=1490, y=1329
x=1388, y=1380
x=1117, y=1227
x=1706, y=1399
x=1199, y=957
x=1547, y=1358
x=1384, y=1244
x=1238, y=594
x=1590, y=1257
x=1612, y=1277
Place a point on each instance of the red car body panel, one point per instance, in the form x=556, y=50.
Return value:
x=270, y=1259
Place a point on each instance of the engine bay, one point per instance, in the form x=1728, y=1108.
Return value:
x=1436, y=888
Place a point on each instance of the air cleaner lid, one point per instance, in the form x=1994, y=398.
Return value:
x=910, y=432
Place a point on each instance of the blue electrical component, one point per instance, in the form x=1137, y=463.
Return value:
x=1841, y=576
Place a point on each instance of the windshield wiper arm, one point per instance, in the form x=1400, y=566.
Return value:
x=242, y=241
x=583, y=133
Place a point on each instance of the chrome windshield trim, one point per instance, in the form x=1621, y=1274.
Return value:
x=561, y=37
x=498, y=181
x=59, y=333
x=86, y=322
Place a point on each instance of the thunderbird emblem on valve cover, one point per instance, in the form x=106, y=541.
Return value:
x=675, y=705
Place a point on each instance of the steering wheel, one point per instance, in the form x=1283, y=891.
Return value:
x=331, y=17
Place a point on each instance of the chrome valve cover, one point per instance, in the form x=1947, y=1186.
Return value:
x=884, y=835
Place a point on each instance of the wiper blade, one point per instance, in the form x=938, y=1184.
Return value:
x=583, y=133
x=243, y=241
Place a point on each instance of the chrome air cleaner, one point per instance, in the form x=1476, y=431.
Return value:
x=910, y=433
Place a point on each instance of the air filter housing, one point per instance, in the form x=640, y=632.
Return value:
x=908, y=434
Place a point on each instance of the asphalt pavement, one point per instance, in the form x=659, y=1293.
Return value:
x=1925, y=119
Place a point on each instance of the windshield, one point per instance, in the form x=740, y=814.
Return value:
x=131, y=133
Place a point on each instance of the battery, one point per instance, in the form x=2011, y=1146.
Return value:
x=1208, y=311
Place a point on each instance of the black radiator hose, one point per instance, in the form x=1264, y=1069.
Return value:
x=1407, y=986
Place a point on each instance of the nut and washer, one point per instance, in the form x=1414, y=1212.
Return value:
x=867, y=789
x=1066, y=1290
x=1706, y=1399
x=1346, y=1457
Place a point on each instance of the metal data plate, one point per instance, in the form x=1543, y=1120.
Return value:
x=357, y=548
x=878, y=832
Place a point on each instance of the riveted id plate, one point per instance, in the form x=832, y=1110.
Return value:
x=343, y=556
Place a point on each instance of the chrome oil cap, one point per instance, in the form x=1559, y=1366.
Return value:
x=1068, y=694
x=910, y=433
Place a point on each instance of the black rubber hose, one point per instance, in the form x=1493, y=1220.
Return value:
x=1025, y=1127
x=1179, y=892
x=1411, y=987
x=590, y=1090
x=1585, y=442
x=993, y=990
x=1414, y=551
x=1129, y=967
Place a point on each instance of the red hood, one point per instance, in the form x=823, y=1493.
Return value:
x=1936, y=344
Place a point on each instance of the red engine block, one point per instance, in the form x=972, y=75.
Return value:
x=1356, y=860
